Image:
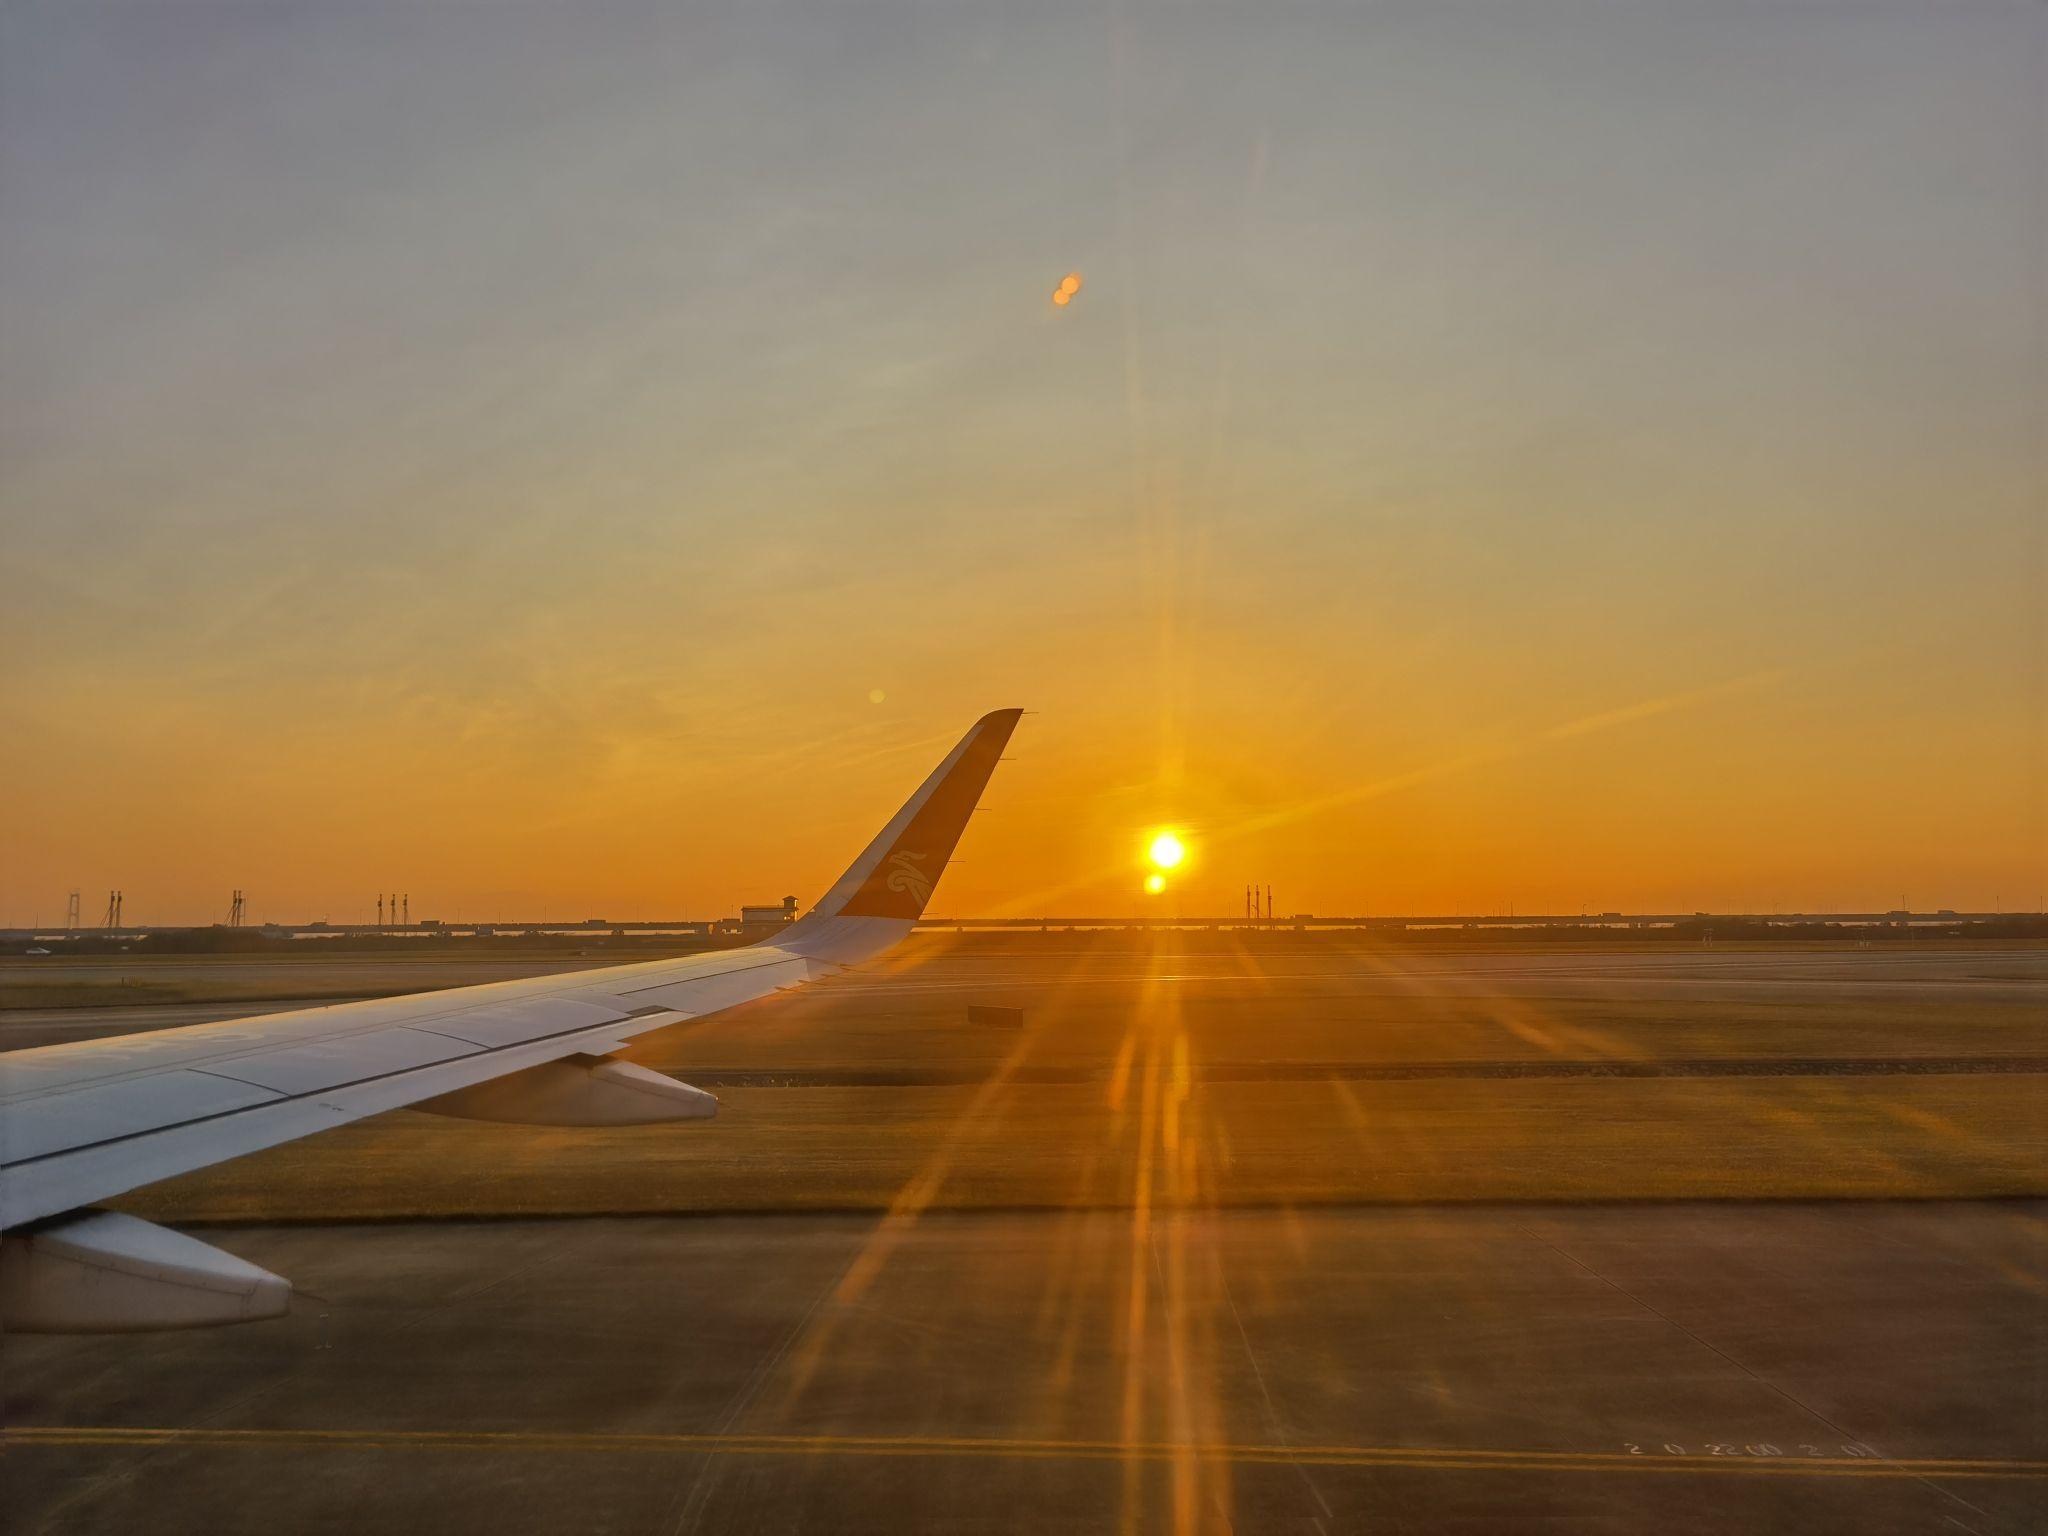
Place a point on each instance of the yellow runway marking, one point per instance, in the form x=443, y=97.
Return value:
x=1419, y=1458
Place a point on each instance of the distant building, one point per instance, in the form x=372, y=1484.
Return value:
x=757, y=920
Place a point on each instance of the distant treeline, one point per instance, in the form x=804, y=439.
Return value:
x=1698, y=930
x=250, y=941
x=1703, y=930
x=2017, y=927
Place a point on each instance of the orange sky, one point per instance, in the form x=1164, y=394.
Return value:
x=1475, y=472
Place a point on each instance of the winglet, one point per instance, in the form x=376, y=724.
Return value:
x=886, y=888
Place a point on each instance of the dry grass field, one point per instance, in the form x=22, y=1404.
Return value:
x=1198, y=1071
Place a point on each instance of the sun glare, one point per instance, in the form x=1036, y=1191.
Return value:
x=1154, y=884
x=1167, y=850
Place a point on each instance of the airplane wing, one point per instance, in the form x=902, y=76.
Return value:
x=86, y=1121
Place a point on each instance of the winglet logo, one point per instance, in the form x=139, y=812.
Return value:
x=906, y=877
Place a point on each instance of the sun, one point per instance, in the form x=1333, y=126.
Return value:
x=1154, y=884
x=1167, y=850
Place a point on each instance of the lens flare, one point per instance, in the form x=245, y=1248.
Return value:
x=1154, y=884
x=1167, y=850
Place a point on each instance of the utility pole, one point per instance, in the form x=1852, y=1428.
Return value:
x=380, y=909
x=1269, y=903
x=408, y=910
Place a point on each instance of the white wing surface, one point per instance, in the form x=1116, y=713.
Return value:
x=86, y=1121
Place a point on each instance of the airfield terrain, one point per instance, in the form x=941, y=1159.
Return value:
x=1268, y=1231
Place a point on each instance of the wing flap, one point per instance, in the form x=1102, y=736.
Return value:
x=710, y=993
x=534, y=1019
x=311, y=1068
x=39, y=1126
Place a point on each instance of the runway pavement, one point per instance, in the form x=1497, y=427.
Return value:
x=1135, y=1354
x=1867, y=1368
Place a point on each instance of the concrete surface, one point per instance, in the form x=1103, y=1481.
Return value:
x=1135, y=1358
x=1868, y=1368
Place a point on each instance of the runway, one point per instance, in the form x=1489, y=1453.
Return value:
x=1865, y=1368
x=1294, y=1239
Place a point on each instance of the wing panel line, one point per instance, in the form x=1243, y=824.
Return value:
x=639, y=1022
